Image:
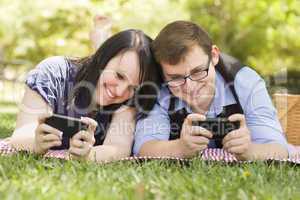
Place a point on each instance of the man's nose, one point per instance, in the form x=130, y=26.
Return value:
x=188, y=84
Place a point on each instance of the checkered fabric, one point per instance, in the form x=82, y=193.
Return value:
x=207, y=155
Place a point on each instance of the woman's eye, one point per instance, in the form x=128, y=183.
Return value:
x=132, y=89
x=120, y=76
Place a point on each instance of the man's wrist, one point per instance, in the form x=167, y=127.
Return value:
x=249, y=154
x=183, y=150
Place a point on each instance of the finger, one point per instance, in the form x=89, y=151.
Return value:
x=82, y=135
x=198, y=147
x=193, y=117
x=235, y=134
x=87, y=145
x=234, y=143
x=199, y=140
x=238, y=117
x=77, y=143
x=49, y=129
x=198, y=130
x=48, y=145
x=85, y=136
x=78, y=151
x=42, y=118
x=50, y=137
x=74, y=151
x=92, y=124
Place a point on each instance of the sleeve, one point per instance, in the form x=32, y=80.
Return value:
x=156, y=126
x=261, y=116
x=47, y=79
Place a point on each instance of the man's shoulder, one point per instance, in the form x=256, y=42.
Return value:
x=164, y=96
x=246, y=76
x=246, y=81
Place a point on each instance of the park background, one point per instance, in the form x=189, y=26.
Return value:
x=263, y=34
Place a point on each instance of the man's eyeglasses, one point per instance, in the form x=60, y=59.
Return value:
x=195, y=76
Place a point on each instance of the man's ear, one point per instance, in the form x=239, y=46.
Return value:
x=215, y=53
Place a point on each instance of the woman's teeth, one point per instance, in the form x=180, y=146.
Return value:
x=110, y=93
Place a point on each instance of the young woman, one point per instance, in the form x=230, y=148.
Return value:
x=102, y=89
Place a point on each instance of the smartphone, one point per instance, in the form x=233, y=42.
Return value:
x=219, y=127
x=68, y=125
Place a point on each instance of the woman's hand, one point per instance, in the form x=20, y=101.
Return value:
x=46, y=137
x=82, y=142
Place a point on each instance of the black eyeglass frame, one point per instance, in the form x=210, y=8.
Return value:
x=167, y=83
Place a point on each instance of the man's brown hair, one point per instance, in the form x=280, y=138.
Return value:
x=174, y=41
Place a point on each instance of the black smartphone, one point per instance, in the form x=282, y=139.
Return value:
x=68, y=125
x=219, y=127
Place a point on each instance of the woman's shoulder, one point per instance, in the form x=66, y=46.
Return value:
x=53, y=62
x=56, y=66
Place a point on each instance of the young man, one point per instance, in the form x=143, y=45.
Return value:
x=196, y=87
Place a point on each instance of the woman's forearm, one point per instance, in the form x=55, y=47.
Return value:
x=108, y=153
x=23, y=138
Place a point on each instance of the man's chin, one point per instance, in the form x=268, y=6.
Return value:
x=189, y=100
x=195, y=100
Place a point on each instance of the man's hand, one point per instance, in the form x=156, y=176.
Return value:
x=82, y=142
x=238, y=141
x=193, y=138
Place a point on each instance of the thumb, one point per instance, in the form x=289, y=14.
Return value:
x=193, y=117
x=92, y=124
x=238, y=117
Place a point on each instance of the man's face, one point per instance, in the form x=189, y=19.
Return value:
x=199, y=93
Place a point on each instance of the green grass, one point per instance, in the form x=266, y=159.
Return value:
x=25, y=176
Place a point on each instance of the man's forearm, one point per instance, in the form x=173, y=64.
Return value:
x=171, y=148
x=265, y=151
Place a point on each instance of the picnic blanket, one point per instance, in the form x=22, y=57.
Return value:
x=209, y=154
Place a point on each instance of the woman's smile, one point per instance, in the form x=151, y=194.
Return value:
x=109, y=93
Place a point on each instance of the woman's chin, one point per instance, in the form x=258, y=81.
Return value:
x=105, y=102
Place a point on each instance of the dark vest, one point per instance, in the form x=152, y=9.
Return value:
x=228, y=67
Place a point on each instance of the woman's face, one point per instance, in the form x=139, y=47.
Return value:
x=118, y=80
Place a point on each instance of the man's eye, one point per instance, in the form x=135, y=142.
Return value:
x=197, y=71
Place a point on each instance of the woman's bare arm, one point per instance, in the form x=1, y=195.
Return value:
x=119, y=138
x=31, y=108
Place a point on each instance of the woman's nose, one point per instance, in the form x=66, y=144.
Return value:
x=121, y=89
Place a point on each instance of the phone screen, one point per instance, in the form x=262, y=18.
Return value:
x=219, y=127
x=68, y=125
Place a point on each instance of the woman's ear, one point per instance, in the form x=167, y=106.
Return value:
x=215, y=53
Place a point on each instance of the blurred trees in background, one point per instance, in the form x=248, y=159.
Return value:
x=262, y=33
